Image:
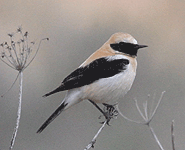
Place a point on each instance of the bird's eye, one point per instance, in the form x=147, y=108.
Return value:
x=115, y=46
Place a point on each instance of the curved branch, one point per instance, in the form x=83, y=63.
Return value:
x=11, y=85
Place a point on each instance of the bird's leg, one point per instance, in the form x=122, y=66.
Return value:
x=109, y=111
x=98, y=107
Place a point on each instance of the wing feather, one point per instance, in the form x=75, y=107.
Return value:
x=100, y=68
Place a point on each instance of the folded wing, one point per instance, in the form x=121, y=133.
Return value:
x=100, y=68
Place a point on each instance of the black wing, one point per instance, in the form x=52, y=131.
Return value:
x=100, y=68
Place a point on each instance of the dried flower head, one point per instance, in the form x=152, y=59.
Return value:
x=26, y=34
x=19, y=29
x=2, y=54
x=10, y=34
x=18, y=53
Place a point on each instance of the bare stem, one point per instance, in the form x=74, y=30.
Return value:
x=138, y=122
x=18, y=112
x=139, y=110
x=172, y=135
x=147, y=117
x=91, y=144
x=155, y=137
x=162, y=94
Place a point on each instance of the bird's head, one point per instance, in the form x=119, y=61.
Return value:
x=124, y=43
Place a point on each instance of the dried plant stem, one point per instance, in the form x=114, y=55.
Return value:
x=155, y=137
x=147, y=117
x=91, y=144
x=7, y=63
x=11, y=85
x=172, y=135
x=19, y=110
x=16, y=55
x=25, y=66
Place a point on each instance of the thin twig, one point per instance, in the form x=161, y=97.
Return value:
x=11, y=85
x=152, y=103
x=155, y=137
x=139, y=110
x=157, y=106
x=8, y=64
x=12, y=61
x=172, y=135
x=18, y=112
x=15, y=51
x=91, y=144
x=147, y=118
x=138, y=122
x=35, y=52
x=145, y=106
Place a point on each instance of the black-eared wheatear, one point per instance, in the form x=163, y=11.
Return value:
x=106, y=75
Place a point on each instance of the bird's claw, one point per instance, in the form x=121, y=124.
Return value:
x=109, y=112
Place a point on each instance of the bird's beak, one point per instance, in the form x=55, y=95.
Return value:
x=140, y=46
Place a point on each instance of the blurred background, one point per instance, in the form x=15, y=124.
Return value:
x=76, y=29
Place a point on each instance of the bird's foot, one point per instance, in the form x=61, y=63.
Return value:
x=109, y=112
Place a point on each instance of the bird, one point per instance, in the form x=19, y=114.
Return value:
x=105, y=76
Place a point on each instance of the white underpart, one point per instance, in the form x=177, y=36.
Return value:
x=112, y=88
x=72, y=97
x=104, y=90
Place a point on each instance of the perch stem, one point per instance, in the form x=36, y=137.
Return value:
x=18, y=112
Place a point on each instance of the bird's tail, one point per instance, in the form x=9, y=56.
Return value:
x=52, y=117
x=60, y=88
